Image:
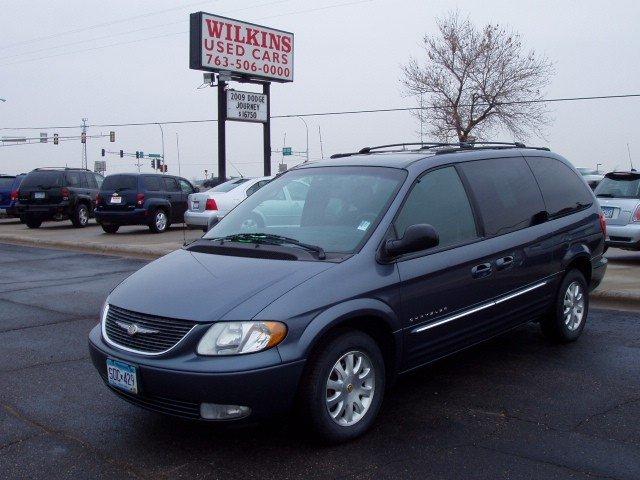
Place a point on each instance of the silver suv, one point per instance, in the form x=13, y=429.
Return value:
x=619, y=197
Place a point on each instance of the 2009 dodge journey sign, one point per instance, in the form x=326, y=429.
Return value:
x=337, y=276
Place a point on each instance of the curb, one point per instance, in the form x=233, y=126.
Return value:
x=148, y=253
x=623, y=296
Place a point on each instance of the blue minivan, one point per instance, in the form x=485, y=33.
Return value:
x=397, y=259
x=9, y=185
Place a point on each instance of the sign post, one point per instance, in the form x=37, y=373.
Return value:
x=247, y=53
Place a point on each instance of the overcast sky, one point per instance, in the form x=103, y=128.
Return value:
x=348, y=55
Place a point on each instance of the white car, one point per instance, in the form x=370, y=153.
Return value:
x=216, y=202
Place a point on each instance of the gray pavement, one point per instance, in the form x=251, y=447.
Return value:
x=517, y=407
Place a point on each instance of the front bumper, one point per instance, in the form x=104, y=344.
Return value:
x=177, y=385
x=200, y=219
x=624, y=236
x=139, y=216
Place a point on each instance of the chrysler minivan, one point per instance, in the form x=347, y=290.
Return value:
x=397, y=258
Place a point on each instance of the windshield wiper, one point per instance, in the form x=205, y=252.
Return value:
x=608, y=195
x=270, y=239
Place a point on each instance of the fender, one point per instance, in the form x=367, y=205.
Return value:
x=575, y=250
x=340, y=314
x=158, y=202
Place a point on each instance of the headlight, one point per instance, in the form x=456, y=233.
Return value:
x=234, y=338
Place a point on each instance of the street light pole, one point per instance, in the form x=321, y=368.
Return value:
x=307, y=127
x=162, y=134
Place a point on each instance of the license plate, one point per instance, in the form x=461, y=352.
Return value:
x=608, y=212
x=122, y=375
x=38, y=195
x=117, y=200
x=195, y=205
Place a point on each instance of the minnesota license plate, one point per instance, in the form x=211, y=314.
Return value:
x=608, y=212
x=122, y=375
x=38, y=195
x=116, y=200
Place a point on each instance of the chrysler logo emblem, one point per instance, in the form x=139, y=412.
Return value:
x=133, y=329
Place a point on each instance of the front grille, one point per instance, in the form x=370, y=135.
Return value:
x=154, y=334
x=168, y=406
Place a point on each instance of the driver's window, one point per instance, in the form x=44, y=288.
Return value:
x=186, y=186
x=439, y=199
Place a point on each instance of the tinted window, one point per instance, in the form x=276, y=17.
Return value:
x=185, y=186
x=506, y=192
x=619, y=185
x=91, y=180
x=74, y=179
x=230, y=185
x=120, y=182
x=43, y=178
x=6, y=182
x=153, y=184
x=170, y=184
x=563, y=190
x=99, y=179
x=440, y=200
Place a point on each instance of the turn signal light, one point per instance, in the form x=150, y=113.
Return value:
x=65, y=193
x=603, y=224
x=140, y=199
x=211, y=204
x=636, y=215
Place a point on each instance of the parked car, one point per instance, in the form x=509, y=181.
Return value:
x=216, y=202
x=591, y=176
x=214, y=182
x=398, y=258
x=142, y=199
x=9, y=185
x=58, y=194
x=619, y=197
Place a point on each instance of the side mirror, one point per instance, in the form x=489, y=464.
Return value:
x=416, y=238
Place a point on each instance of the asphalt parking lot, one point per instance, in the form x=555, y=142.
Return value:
x=517, y=407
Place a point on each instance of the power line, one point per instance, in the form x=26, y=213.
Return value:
x=323, y=114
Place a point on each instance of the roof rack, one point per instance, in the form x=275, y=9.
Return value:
x=439, y=146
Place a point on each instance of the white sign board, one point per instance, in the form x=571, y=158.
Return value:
x=246, y=106
x=249, y=50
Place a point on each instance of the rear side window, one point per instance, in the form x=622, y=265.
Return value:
x=563, y=190
x=439, y=199
x=171, y=185
x=43, y=178
x=74, y=179
x=153, y=184
x=120, y=182
x=507, y=194
x=99, y=179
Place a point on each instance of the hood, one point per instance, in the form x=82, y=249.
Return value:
x=205, y=287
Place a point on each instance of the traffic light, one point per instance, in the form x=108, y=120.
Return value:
x=103, y=152
x=121, y=153
x=137, y=154
x=141, y=154
x=153, y=163
x=55, y=139
x=164, y=168
x=112, y=136
x=83, y=137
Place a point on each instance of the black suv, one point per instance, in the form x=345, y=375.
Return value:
x=387, y=261
x=58, y=194
x=142, y=199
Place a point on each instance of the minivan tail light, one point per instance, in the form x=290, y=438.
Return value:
x=15, y=195
x=603, y=223
x=140, y=199
x=65, y=193
x=636, y=215
x=211, y=204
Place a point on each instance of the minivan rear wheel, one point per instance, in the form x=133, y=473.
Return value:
x=569, y=316
x=342, y=387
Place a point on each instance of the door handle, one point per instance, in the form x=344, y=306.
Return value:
x=504, y=262
x=482, y=270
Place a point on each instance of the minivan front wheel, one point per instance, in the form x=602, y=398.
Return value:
x=566, y=322
x=342, y=389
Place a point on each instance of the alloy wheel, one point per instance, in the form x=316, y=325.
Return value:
x=573, y=306
x=83, y=216
x=161, y=220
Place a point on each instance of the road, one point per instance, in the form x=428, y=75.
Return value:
x=517, y=407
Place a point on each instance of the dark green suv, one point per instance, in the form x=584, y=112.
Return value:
x=58, y=194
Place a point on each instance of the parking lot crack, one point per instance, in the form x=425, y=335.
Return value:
x=133, y=471
x=607, y=410
x=60, y=322
x=43, y=364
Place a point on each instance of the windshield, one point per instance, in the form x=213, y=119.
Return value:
x=6, y=182
x=620, y=186
x=120, y=182
x=44, y=178
x=335, y=208
x=228, y=186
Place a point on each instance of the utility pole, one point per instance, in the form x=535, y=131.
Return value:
x=321, y=147
x=84, y=145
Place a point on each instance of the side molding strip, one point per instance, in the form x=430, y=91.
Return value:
x=473, y=310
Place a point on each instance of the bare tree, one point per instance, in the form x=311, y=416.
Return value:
x=475, y=81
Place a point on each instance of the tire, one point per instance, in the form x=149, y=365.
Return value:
x=158, y=225
x=566, y=321
x=22, y=219
x=80, y=216
x=110, y=228
x=32, y=222
x=314, y=407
